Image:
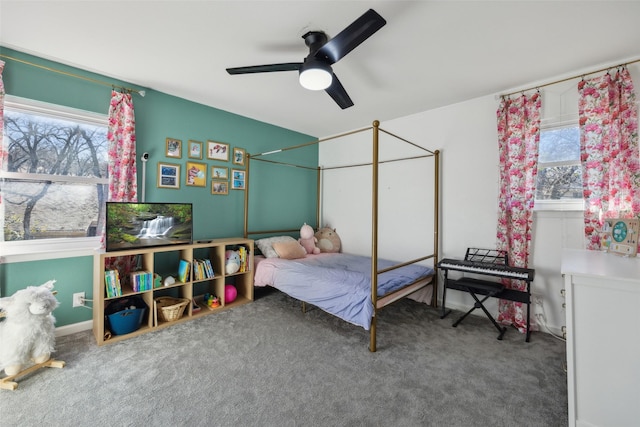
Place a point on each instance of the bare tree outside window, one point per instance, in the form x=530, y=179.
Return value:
x=55, y=183
x=559, y=169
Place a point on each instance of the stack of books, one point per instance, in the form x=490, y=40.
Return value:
x=141, y=281
x=112, y=283
x=202, y=269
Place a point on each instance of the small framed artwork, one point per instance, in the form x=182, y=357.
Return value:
x=195, y=149
x=168, y=175
x=217, y=151
x=196, y=174
x=238, y=156
x=174, y=148
x=237, y=179
x=218, y=172
x=219, y=187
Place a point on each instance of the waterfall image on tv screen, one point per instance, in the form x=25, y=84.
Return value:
x=140, y=225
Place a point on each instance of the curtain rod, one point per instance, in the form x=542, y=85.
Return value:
x=568, y=78
x=142, y=93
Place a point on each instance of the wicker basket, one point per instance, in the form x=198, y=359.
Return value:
x=169, y=308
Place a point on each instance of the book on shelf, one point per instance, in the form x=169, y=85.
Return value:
x=141, y=281
x=183, y=270
x=112, y=283
x=202, y=269
x=194, y=306
x=198, y=270
x=244, y=254
x=209, y=267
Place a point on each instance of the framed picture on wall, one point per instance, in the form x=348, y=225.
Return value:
x=196, y=174
x=219, y=172
x=195, y=149
x=237, y=179
x=219, y=187
x=238, y=156
x=168, y=175
x=174, y=148
x=217, y=151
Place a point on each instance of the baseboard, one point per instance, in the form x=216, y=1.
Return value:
x=73, y=328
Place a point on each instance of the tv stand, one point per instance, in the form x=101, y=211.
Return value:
x=164, y=261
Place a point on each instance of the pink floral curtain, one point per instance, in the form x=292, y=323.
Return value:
x=609, y=151
x=3, y=151
x=123, y=182
x=518, y=138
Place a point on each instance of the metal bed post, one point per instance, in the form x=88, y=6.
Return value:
x=246, y=199
x=436, y=226
x=318, y=197
x=374, y=237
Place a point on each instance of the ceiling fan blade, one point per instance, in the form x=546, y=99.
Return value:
x=349, y=38
x=338, y=93
x=287, y=66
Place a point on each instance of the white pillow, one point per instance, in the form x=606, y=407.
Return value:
x=266, y=245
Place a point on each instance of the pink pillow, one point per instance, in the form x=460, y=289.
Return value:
x=289, y=250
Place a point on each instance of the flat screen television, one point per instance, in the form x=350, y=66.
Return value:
x=142, y=225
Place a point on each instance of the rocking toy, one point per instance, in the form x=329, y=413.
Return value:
x=27, y=333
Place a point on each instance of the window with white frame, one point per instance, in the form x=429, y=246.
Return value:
x=54, y=185
x=559, y=180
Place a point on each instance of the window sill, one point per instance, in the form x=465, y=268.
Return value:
x=559, y=205
x=49, y=249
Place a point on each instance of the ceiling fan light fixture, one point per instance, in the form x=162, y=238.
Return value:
x=315, y=75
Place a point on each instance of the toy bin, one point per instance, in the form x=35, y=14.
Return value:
x=169, y=309
x=125, y=315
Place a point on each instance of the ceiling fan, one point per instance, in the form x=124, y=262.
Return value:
x=315, y=71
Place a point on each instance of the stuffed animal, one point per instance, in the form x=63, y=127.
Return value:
x=308, y=240
x=328, y=240
x=231, y=261
x=27, y=332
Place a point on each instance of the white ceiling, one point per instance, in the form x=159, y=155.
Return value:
x=430, y=54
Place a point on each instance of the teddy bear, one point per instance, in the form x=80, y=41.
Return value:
x=27, y=333
x=231, y=261
x=328, y=240
x=308, y=240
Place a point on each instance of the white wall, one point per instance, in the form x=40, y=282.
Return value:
x=466, y=136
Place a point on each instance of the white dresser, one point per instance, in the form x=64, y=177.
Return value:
x=603, y=338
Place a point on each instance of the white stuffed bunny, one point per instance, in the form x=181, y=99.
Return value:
x=27, y=332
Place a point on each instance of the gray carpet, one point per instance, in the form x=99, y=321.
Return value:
x=268, y=364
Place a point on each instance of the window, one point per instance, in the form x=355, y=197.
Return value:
x=559, y=181
x=54, y=185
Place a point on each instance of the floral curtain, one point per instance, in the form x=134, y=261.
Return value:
x=3, y=152
x=518, y=138
x=123, y=185
x=608, y=117
x=123, y=182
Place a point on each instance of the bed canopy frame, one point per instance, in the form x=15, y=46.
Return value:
x=378, y=301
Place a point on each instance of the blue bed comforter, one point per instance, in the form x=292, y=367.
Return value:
x=340, y=284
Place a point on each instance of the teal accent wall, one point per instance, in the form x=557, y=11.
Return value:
x=280, y=197
x=71, y=275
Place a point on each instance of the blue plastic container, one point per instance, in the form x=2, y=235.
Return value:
x=126, y=321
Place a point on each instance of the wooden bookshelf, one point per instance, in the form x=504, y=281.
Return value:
x=164, y=261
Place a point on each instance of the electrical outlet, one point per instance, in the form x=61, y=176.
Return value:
x=78, y=299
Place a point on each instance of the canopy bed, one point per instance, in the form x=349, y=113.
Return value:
x=352, y=287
